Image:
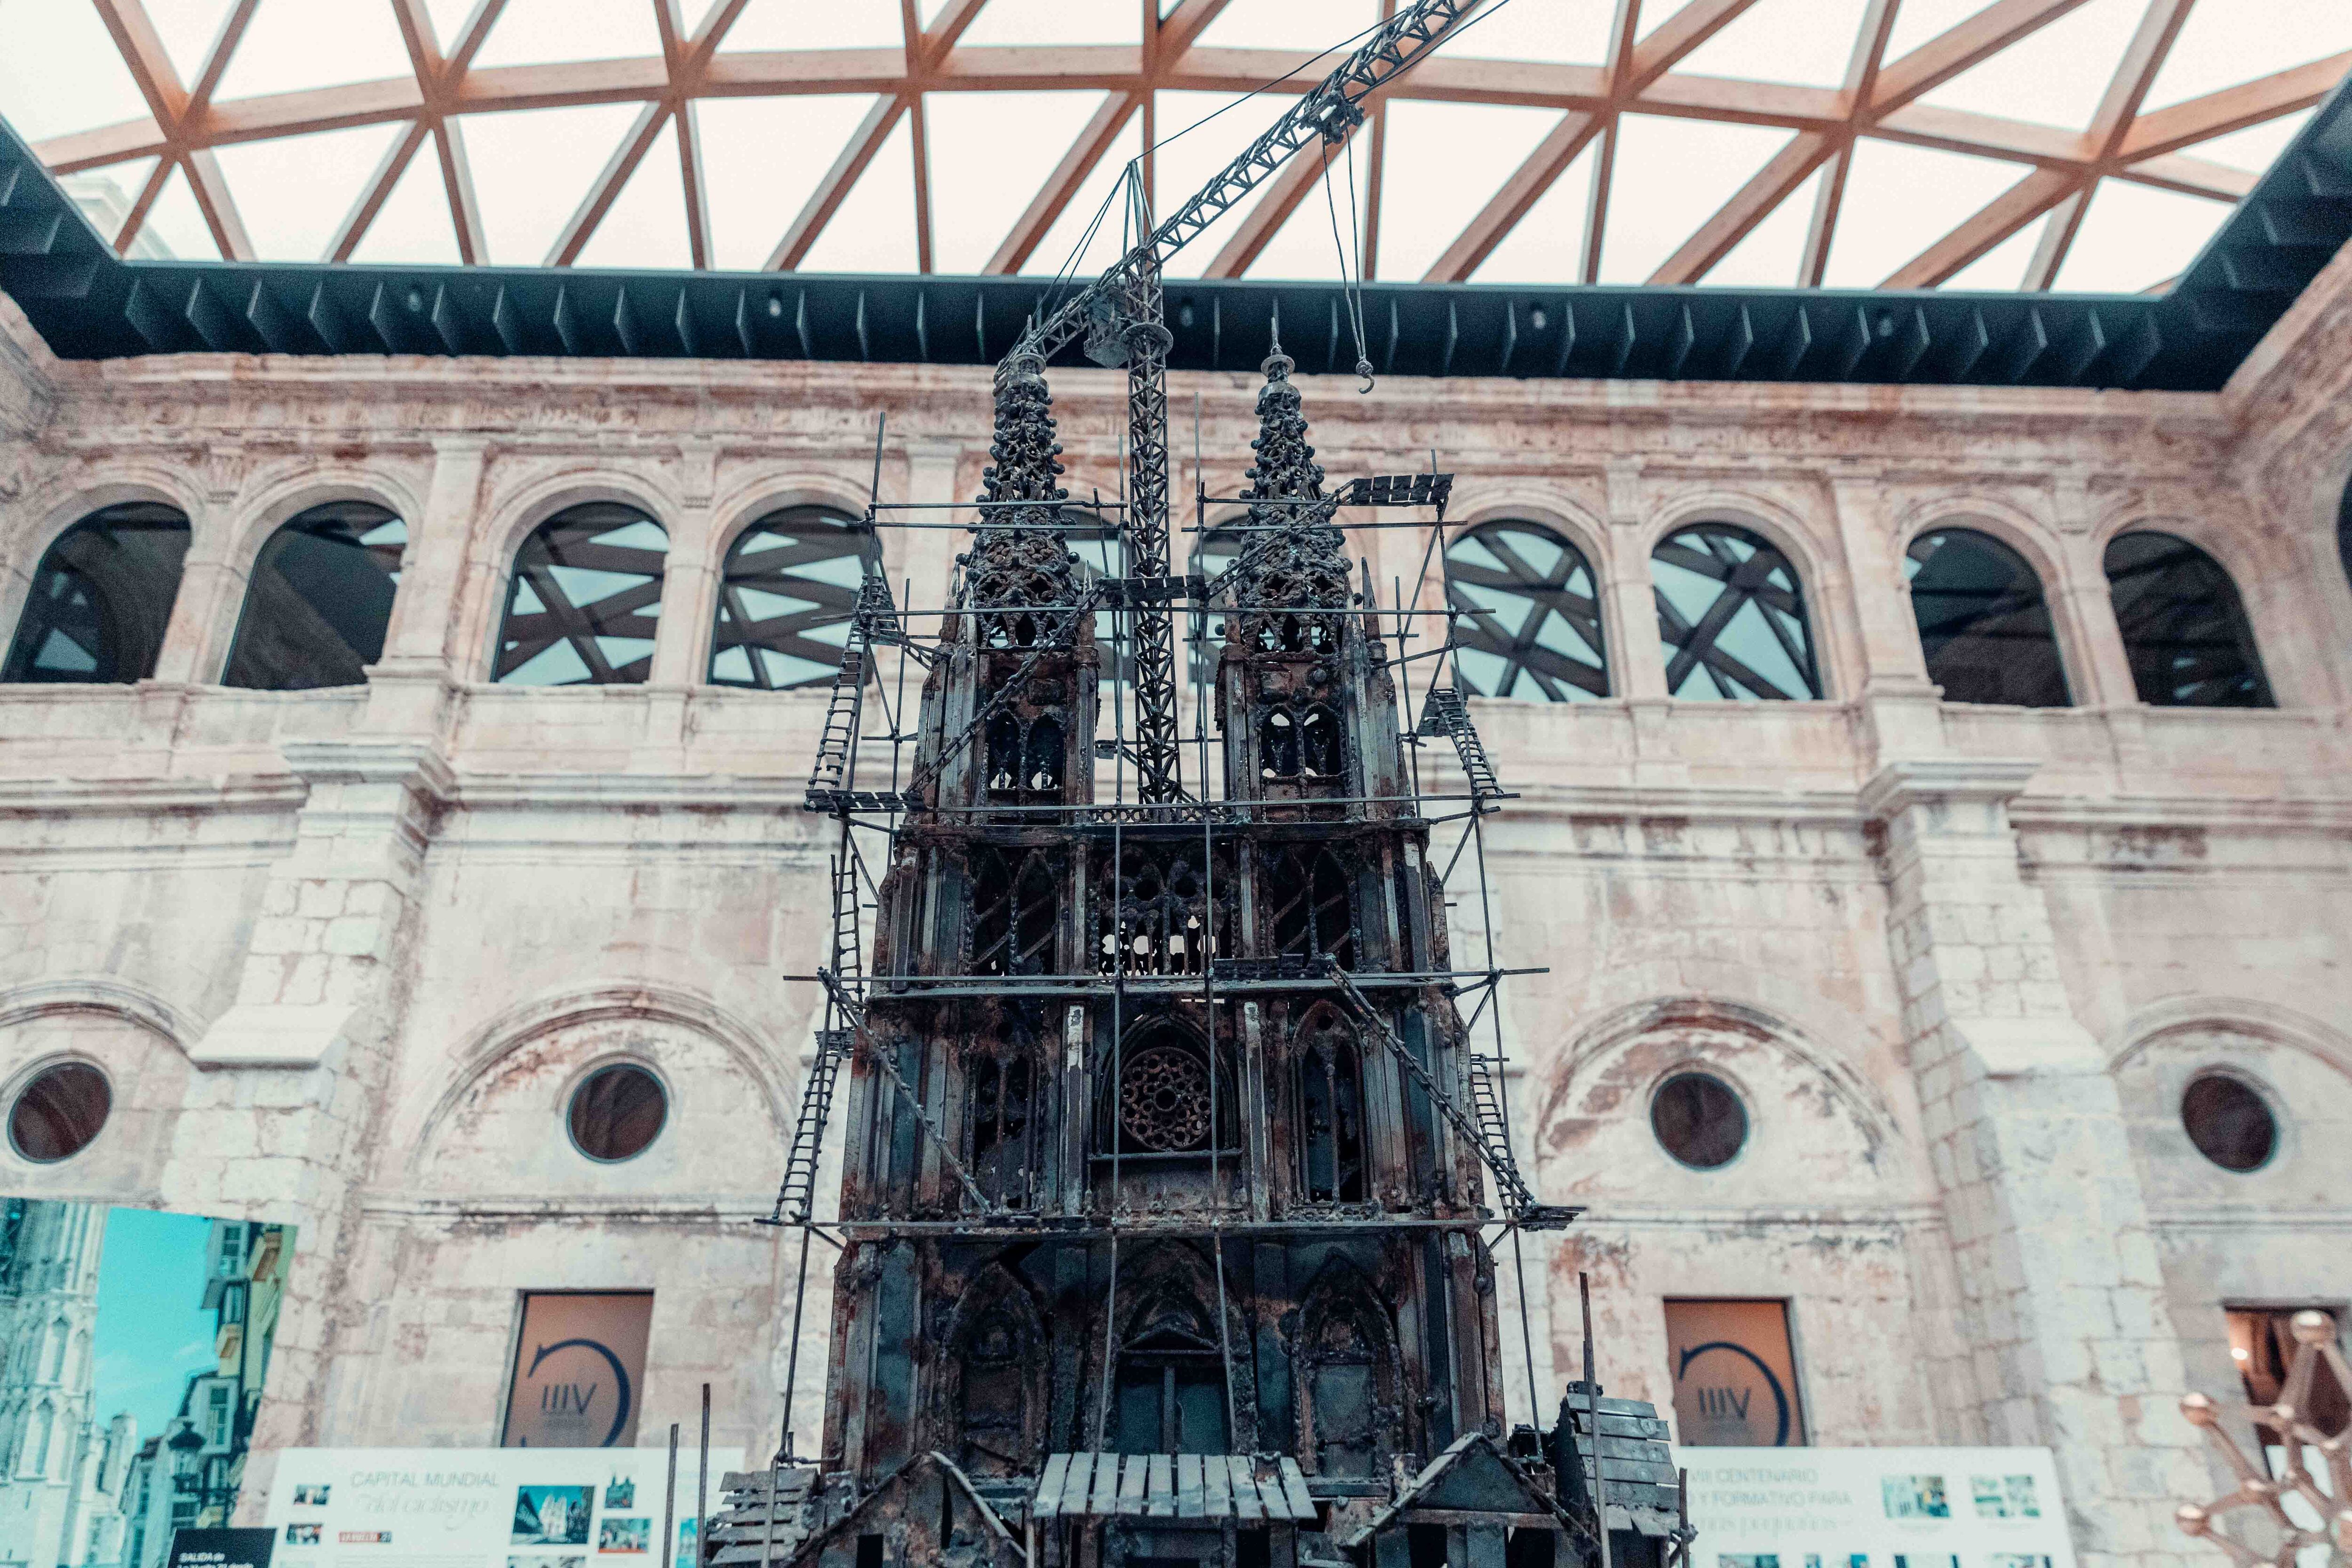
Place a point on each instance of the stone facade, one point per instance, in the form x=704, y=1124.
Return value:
x=343, y=954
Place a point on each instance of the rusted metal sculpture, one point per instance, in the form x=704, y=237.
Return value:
x=2327, y=1505
x=1165, y=1204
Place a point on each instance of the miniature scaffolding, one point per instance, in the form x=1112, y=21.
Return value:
x=1164, y=1204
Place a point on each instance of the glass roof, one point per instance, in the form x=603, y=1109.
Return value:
x=2074, y=144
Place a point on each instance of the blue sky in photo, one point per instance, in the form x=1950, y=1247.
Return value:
x=153, y=1326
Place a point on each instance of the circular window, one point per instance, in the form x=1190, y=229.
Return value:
x=1698, y=1120
x=60, y=1112
x=2228, y=1122
x=1163, y=1099
x=617, y=1112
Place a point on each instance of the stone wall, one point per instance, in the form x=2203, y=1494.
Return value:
x=343, y=954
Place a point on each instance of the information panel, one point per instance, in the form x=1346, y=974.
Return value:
x=482, y=1508
x=1876, y=1507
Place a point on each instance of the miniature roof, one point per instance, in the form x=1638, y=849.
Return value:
x=1473, y=1475
x=1173, y=1486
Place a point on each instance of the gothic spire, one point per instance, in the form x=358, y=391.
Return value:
x=1027, y=563
x=1304, y=565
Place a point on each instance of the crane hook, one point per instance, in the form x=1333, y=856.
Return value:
x=1364, y=369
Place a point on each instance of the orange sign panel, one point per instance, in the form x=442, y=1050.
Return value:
x=579, y=1370
x=1735, y=1376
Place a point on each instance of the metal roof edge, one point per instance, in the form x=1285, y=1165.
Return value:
x=87, y=303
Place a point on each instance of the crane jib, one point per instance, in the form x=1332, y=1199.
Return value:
x=1328, y=113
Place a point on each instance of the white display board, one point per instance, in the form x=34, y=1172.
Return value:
x=1876, y=1507
x=482, y=1508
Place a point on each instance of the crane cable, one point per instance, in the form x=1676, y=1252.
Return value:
x=1353, y=293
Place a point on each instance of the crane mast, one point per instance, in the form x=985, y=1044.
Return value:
x=1123, y=316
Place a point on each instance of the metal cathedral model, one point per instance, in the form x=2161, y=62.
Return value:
x=1167, y=1154
x=1163, y=1193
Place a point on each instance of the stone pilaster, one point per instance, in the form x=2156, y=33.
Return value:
x=280, y=1122
x=1900, y=707
x=2068, y=1339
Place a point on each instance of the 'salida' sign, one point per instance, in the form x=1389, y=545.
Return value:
x=579, y=1363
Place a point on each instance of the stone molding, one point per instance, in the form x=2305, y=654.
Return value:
x=753, y=1050
x=2245, y=1014
x=100, y=994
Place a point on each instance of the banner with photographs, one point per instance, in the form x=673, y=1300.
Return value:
x=144, y=1342
x=1876, y=1507
x=484, y=1508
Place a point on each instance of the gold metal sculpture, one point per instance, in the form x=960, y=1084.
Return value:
x=2328, y=1497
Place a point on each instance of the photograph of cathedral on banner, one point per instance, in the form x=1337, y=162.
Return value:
x=149, y=1338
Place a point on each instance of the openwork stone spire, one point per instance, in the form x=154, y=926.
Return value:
x=1304, y=566
x=1027, y=563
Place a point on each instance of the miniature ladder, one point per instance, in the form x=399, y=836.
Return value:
x=1443, y=711
x=1518, y=1200
x=797, y=1200
x=828, y=785
x=1487, y=1109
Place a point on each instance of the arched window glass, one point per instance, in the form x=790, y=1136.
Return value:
x=102, y=597
x=319, y=600
x=2185, y=631
x=1983, y=622
x=2344, y=530
x=1731, y=613
x=785, y=600
x=585, y=600
x=1530, y=622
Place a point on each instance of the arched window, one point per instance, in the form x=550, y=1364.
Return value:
x=102, y=597
x=1157, y=913
x=1300, y=743
x=1313, y=899
x=786, y=598
x=2344, y=530
x=34, y=1461
x=1348, y=1372
x=1004, y=1128
x=1015, y=909
x=1330, y=1111
x=1530, y=622
x=1983, y=622
x=584, y=599
x=1732, y=616
x=1171, y=1381
x=320, y=597
x=2185, y=631
x=997, y=1360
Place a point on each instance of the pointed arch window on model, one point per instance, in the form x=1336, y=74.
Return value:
x=1530, y=615
x=786, y=597
x=1006, y=1122
x=1300, y=743
x=1347, y=1369
x=1983, y=622
x=1312, y=896
x=2184, y=627
x=319, y=600
x=1330, y=1110
x=1015, y=912
x=585, y=600
x=998, y=1361
x=1025, y=759
x=1731, y=613
x=101, y=598
x=1172, y=1380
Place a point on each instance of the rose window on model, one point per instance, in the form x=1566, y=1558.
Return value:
x=1163, y=1099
